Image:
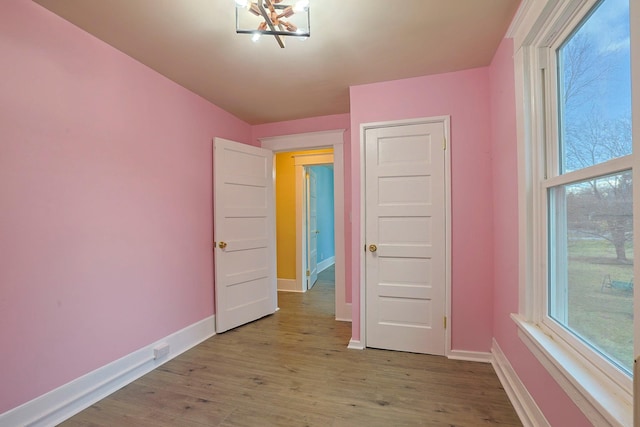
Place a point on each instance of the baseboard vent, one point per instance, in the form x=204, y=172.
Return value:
x=161, y=351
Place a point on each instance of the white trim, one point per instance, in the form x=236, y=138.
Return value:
x=307, y=141
x=288, y=285
x=65, y=401
x=362, y=243
x=610, y=167
x=355, y=345
x=602, y=400
x=531, y=16
x=335, y=139
x=518, y=19
x=634, y=16
x=446, y=122
x=470, y=356
x=323, y=265
x=526, y=408
x=342, y=308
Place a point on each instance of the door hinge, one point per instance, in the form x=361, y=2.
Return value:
x=308, y=273
x=444, y=143
x=445, y=322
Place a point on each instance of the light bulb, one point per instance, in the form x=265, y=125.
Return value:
x=255, y=37
x=301, y=31
x=301, y=5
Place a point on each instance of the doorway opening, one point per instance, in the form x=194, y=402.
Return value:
x=318, y=219
x=332, y=139
x=305, y=217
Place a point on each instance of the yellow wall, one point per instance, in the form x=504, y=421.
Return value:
x=286, y=211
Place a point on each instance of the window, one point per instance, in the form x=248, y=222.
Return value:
x=576, y=163
x=589, y=185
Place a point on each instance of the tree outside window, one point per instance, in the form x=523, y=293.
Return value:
x=590, y=220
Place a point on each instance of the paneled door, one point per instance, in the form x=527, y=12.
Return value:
x=405, y=222
x=312, y=229
x=244, y=226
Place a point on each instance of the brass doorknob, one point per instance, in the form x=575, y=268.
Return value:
x=222, y=245
x=373, y=248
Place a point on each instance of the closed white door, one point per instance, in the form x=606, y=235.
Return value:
x=405, y=224
x=244, y=227
x=312, y=229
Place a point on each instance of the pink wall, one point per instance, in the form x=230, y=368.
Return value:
x=105, y=185
x=316, y=124
x=106, y=217
x=464, y=96
x=557, y=407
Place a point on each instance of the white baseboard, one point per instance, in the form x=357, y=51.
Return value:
x=470, y=356
x=345, y=312
x=288, y=285
x=323, y=265
x=526, y=408
x=355, y=344
x=65, y=401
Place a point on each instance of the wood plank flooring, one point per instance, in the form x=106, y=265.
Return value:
x=294, y=369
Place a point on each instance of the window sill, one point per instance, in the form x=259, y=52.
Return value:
x=601, y=399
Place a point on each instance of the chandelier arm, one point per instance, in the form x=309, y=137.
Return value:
x=267, y=19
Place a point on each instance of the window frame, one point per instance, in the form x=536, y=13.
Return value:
x=600, y=389
x=552, y=177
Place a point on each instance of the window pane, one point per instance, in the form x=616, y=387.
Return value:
x=595, y=89
x=591, y=263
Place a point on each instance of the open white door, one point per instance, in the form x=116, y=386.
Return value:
x=312, y=229
x=405, y=231
x=244, y=227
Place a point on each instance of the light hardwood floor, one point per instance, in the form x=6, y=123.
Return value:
x=294, y=369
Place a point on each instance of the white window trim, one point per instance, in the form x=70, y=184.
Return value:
x=604, y=397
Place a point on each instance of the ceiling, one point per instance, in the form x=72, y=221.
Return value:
x=193, y=42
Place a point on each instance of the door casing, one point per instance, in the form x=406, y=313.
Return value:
x=315, y=140
x=360, y=343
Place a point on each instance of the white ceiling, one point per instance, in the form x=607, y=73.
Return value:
x=193, y=42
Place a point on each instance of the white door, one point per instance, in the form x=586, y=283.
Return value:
x=312, y=229
x=244, y=226
x=405, y=234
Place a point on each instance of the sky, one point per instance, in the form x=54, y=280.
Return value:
x=592, y=115
x=608, y=29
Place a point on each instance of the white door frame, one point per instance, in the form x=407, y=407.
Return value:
x=445, y=120
x=301, y=161
x=324, y=139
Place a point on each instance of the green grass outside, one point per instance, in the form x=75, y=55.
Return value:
x=602, y=316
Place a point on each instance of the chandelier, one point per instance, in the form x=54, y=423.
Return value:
x=274, y=18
